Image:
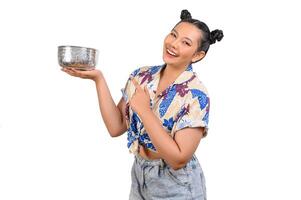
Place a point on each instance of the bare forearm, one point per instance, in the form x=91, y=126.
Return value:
x=164, y=144
x=110, y=113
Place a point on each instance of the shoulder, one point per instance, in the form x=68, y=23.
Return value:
x=197, y=86
x=139, y=70
x=198, y=95
x=145, y=72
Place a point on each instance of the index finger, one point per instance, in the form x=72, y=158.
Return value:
x=136, y=84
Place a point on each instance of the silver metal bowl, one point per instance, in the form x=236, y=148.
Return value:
x=81, y=58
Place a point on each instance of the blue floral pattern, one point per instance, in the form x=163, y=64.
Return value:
x=184, y=103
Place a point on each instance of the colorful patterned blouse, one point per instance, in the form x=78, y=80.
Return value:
x=185, y=103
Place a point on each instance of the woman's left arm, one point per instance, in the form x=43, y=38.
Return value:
x=175, y=152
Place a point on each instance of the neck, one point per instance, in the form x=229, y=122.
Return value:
x=173, y=71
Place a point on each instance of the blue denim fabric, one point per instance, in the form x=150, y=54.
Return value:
x=155, y=179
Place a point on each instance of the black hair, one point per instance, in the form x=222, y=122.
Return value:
x=208, y=37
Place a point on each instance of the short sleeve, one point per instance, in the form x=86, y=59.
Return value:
x=124, y=91
x=196, y=114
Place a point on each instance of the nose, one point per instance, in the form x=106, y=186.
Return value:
x=175, y=43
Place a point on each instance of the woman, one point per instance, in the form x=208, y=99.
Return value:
x=165, y=111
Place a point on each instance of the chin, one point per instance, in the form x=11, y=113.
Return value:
x=168, y=61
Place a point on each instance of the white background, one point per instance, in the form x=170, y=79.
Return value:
x=53, y=142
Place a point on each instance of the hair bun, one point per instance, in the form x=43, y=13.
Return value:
x=216, y=35
x=185, y=14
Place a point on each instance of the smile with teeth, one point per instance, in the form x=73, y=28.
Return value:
x=171, y=53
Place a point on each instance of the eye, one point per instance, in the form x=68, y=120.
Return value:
x=173, y=34
x=186, y=43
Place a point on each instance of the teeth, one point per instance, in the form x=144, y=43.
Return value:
x=171, y=52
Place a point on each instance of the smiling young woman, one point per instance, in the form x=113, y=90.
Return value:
x=165, y=111
x=180, y=46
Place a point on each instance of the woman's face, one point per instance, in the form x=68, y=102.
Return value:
x=181, y=44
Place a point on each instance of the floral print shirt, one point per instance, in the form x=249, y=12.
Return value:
x=184, y=103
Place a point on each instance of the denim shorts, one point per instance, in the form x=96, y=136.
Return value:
x=155, y=179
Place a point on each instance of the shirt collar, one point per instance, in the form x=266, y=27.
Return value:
x=183, y=77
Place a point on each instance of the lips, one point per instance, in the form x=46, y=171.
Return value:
x=171, y=53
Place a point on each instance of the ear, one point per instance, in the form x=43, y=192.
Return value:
x=199, y=55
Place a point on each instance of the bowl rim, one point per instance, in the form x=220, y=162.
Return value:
x=72, y=46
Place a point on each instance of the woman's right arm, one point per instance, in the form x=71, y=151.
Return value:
x=113, y=116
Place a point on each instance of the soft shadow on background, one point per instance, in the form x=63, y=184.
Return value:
x=53, y=142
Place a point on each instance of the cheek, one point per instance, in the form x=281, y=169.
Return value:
x=167, y=40
x=187, y=52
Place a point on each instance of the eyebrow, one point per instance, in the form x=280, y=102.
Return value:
x=184, y=37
